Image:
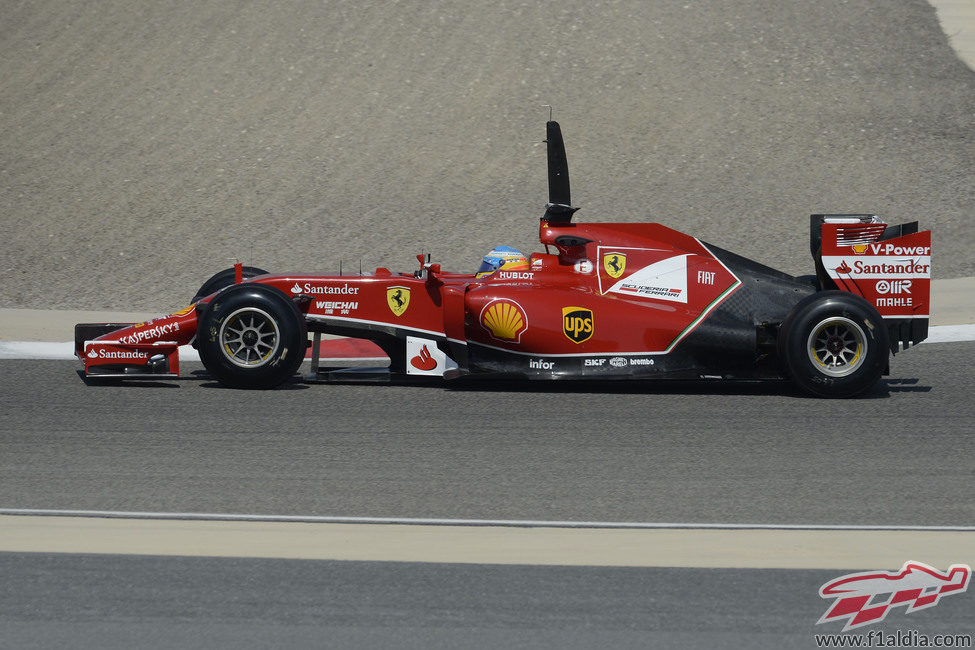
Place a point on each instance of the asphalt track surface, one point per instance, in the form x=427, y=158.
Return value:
x=111, y=602
x=755, y=453
x=738, y=453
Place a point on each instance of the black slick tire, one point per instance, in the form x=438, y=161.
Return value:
x=834, y=344
x=223, y=279
x=252, y=336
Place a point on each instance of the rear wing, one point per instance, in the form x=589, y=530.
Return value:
x=889, y=266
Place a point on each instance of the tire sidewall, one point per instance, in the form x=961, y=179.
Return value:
x=292, y=334
x=807, y=315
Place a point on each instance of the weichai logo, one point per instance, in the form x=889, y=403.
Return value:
x=577, y=323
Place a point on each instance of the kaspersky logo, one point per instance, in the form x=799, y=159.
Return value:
x=866, y=598
x=151, y=333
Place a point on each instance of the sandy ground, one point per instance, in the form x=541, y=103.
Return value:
x=957, y=18
x=145, y=146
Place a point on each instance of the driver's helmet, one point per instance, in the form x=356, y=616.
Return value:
x=502, y=257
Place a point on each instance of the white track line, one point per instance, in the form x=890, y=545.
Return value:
x=950, y=333
x=505, y=523
x=45, y=351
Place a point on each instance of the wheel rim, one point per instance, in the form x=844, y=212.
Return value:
x=836, y=346
x=249, y=337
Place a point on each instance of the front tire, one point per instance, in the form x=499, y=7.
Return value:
x=223, y=279
x=252, y=336
x=834, y=344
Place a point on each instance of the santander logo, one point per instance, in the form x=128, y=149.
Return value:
x=315, y=290
x=117, y=354
x=424, y=360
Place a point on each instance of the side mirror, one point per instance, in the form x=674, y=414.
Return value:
x=424, y=260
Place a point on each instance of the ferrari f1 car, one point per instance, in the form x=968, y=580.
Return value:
x=605, y=301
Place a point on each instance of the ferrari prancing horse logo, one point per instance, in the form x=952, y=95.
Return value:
x=615, y=264
x=398, y=299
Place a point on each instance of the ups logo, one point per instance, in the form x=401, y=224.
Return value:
x=577, y=323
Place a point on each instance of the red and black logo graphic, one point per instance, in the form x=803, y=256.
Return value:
x=866, y=598
x=424, y=360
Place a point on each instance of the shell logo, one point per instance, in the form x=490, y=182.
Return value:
x=859, y=249
x=504, y=319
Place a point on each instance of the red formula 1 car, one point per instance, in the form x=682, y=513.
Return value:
x=606, y=301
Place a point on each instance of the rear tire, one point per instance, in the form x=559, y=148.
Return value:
x=834, y=344
x=252, y=336
x=224, y=279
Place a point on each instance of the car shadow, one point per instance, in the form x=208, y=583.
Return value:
x=780, y=387
x=655, y=387
x=121, y=382
x=294, y=383
x=772, y=387
x=905, y=385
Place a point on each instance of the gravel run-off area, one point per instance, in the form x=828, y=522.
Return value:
x=145, y=146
